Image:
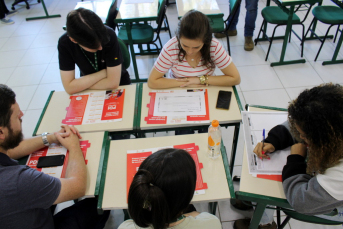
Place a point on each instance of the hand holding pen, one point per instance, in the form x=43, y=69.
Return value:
x=262, y=149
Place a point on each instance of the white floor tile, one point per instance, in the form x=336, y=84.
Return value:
x=227, y=225
x=5, y=74
x=273, y=98
x=16, y=43
x=298, y=224
x=11, y=58
x=244, y=58
x=27, y=75
x=329, y=73
x=46, y=39
x=258, y=77
x=29, y=28
x=24, y=95
x=30, y=120
x=295, y=91
x=298, y=75
x=8, y=30
x=52, y=74
x=38, y=56
x=54, y=25
x=3, y=41
x=42, y=93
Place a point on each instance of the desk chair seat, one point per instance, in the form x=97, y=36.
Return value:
x=277, y=15
x=331, y=15
x=219, y=25
x=304, y=218
x=141, y=34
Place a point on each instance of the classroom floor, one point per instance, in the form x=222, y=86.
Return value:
x=29, y=65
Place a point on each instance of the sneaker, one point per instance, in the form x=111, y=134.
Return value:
x=248, y=44
x=245, y=223
x=11, y=13
x=230, y=33
x=7, y=21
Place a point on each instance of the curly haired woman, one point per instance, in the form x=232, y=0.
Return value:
x=315, y=131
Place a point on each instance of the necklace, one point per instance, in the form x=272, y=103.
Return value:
x=95, y=60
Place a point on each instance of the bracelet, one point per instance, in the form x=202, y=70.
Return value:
x=45, y=138
x=206, y=81
x=203, y=79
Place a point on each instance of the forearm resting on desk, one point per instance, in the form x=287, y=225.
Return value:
x=111, y=81
x=74, y=85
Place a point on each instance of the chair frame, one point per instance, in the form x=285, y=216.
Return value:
x=264, y=24
x=322, y=40
x=228, y=22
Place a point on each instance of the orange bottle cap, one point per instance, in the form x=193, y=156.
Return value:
x=215, y=123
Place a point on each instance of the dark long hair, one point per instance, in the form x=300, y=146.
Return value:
x=7, y=99
x=318, y=112
x=195, y=25
x=162, y=188
x=86, y=28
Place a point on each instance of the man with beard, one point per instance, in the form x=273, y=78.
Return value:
x=26, y=195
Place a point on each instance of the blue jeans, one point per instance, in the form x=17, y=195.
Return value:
x=250, y=18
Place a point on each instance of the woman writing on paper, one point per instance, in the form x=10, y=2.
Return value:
x=192, y=56
x=161, y=191
x=315, y=131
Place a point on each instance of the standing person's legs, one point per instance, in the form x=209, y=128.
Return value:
x=250, y=19
x=233, y=27
x=3, y=9
x=82, y=215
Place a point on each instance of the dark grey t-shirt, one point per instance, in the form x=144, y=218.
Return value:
x=25, y=196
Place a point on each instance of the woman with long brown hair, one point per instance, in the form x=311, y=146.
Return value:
x=190, y=58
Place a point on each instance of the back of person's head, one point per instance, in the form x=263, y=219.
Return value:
x=7, y=99
x=86, y=28
x=195, y=25
x=318, y=112
x=162, y=188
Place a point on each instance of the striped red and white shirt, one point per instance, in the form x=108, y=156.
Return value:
x=168, y=59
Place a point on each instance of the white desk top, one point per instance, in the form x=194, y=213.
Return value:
x=213, y=172
x=93, y=157
x=56, y=112
x=205, y=6
x=223, y=116
x=100, y=7
x=256, y=185
x=137, y=10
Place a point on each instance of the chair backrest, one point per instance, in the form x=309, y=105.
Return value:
x=112, y=14
x=125, y=53
x=234, y=6
x=161, y=14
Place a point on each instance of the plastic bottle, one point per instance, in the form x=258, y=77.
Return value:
x=214, y=139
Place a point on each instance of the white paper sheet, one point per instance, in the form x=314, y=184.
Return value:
x=180, y=104
x=253, y=125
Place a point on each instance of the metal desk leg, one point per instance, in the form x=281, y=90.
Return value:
x=256, y=218
x=43, y=17
x=285, y=40
x=213, y=207
x=334, y=57
x=129, y=36
x=234, y=147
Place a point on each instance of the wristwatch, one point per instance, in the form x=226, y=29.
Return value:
x=45, y=138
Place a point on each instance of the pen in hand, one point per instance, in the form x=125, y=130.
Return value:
x=263, y=137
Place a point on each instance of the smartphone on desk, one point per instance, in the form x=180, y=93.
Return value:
x=224, y=100
x=50, y=161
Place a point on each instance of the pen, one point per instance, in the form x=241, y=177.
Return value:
x=264, y=137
